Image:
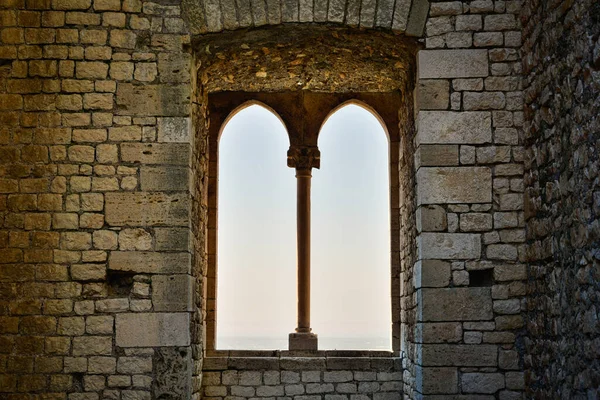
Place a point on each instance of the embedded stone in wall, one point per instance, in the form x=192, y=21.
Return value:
x=172, y=129
x=449, y=246
x=164, y=178
x=149, y=262
x=433, y=94
x=172, y=292
x=448, y=127
x=152, y=329
x=431, y=273
x=438, y=332
x=436, y=155
x=455, y=304
x=439, y=185
x=459, y=355
x=153, y=100
x=142, y=209
x=437, y=380
x=435, y=64
x=431, y=219
x=173, y=373
x=482, y=382
x=156, y=153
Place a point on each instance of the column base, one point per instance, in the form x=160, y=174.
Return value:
x=303, y=341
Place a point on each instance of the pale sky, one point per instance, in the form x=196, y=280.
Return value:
x=257, y=234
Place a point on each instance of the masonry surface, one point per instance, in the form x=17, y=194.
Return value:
x=109, y=118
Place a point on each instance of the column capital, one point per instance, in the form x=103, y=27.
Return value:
x=303, y=157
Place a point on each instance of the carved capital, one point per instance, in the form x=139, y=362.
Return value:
x=303, y=157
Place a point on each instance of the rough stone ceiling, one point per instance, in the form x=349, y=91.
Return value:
x=401, y=16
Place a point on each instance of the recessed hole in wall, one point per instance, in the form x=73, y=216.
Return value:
x=119, y=283
x=481, y=278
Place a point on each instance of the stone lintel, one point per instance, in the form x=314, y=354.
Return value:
x=152, y=329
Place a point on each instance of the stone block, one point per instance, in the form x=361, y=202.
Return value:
x=436, y=380
x=431, y=219
x=150, y=262
x=174, y=130
x=156, y=153
x=458, y=355
x=172, y=292
x=448, y=246
x=433, y=94
x=152, y=329
x=164, y=178
x=172, y=238
x=475, y=222
x=447, y=185
x=449, y=127
x=454, y=304
x=510, y=272
x=153, y=100
x=436, y=155
x=438, y=332
x=431, y=273
x=436, y=64
x=478, y=382
x=92, y=345
x=143, y=209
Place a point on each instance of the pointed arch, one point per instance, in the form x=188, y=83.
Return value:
x=256, y=235
x=351, y=231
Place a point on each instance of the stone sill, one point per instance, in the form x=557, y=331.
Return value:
x=221, y=360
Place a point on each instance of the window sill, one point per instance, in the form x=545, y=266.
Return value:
x=220, y=360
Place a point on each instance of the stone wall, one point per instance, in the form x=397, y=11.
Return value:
x=469, y=277
x=562, y=197
x=95, y=272
x=303, y=378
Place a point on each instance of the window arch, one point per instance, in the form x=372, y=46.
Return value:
x=256, y=233
x=351, y=232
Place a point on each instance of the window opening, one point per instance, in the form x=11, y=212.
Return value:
x=256, y=285
x=351, y=277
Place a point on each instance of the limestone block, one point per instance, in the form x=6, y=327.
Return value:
x=510, y=272
x=172, y=292
x=455, y=304
x=153, y=100
x=172, y=238
x=436, y=380
x=459, y=355
x=150, y=262
x=438, y=332
x=448, y=246
x=433, y=94
x=475, y=222
x=447, y=185
x=135, y=239
x=144, y=209
x=164, y=178
x=431, y=219
x=152, y=329
x=431, y=273
x=449, y=127
x=436, y=155
x=435, y=64
x=156, y=153
x=92, y=345
x=482, y=382
x=174, y=129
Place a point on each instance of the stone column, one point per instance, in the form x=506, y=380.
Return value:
x=303, y=159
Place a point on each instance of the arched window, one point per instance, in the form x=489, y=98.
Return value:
x=351, y=279
x=256, y=236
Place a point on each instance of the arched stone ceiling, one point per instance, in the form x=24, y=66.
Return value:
x=401, y=16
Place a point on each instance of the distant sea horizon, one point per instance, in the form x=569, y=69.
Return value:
x=325, y=343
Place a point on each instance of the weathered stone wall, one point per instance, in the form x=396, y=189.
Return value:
x=95, y=272
x=469, y=277
x=303, y=378
x=561, y=51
